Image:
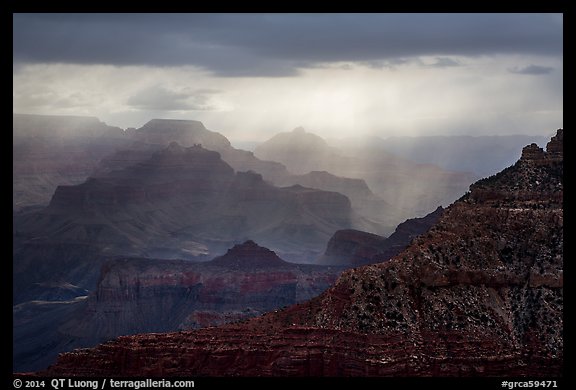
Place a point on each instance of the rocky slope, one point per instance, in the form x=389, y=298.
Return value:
x=480, y=294
x=136, y=295
x=411, y=189
x=56, y=150
x=352, y=248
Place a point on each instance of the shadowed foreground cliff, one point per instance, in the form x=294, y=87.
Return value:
x=479, y=295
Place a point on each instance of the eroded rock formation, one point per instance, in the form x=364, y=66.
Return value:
x=480, y=294
x=136, y=295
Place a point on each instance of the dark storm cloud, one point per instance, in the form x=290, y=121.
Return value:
x=535, y=70
x=275, y=44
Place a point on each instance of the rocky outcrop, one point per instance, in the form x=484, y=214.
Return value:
x=540, y=178
x=555, y=148
x=136, y=295
x=480, y=294
x=352, y=248
x=554, y=151
x=533, y=152
x=249, y=255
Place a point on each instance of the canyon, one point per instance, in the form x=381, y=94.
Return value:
x=479, y=294
x=167, y=228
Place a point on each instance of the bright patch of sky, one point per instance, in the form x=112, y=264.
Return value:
x=338, y=75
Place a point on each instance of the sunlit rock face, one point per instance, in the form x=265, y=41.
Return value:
x=480, y=294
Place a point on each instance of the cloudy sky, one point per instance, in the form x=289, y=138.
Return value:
x=250, y=76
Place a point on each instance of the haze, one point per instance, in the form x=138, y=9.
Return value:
x=251, y=76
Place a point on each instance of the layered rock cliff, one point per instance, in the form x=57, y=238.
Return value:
x=136, y=295
x=144, y=295
x=480, y=294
